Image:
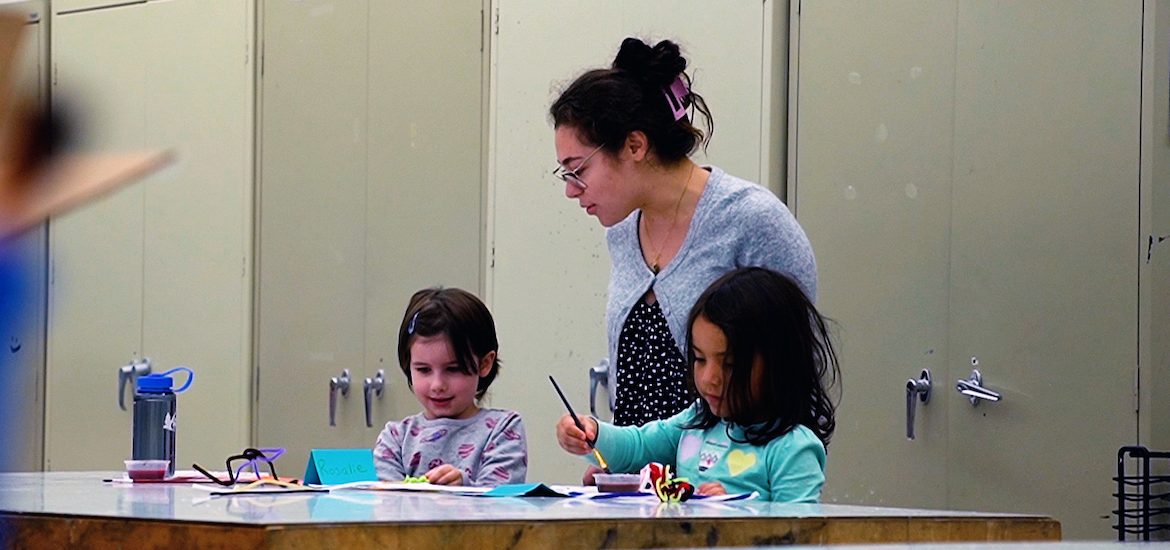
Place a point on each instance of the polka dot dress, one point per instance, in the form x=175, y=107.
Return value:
x=651, y=372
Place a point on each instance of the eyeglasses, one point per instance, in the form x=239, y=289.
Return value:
x=570, y=176
x=236, y=464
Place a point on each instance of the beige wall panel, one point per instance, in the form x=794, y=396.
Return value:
x=1044, y=257
x=873, y=130
x=311, y=223
x=547, y=282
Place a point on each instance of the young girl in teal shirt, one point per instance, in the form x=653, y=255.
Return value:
x=761, y=361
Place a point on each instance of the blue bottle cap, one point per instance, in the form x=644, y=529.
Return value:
x=162, y=383
x=155, y=383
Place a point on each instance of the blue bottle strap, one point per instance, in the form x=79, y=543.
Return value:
x=190, y=377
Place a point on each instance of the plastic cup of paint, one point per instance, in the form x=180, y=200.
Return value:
x=617, y=483
x=147, y=470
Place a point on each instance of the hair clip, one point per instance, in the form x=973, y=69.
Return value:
x=410, y=327
x=675, y=94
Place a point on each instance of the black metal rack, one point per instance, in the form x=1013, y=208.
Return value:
x=1143, y=497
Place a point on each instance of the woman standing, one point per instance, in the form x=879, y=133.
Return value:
x=623, y=142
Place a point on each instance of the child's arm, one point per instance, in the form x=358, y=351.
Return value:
x=388, y=453
x=505, y=455
x=797, y=462
x=629, y=448
x=573, y=439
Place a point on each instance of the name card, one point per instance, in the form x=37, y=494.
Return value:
x=335, y=466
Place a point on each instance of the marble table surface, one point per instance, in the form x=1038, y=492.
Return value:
x=85, y=494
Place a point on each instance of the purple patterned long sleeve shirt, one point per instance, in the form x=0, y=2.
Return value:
x=489, y=447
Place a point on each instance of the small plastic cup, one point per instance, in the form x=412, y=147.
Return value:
x=617, y=483
x=147, y=470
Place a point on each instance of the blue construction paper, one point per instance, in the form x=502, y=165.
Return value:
x=524, y=490
x=348, y=507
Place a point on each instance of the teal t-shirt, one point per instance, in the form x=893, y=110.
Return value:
x=789, y=468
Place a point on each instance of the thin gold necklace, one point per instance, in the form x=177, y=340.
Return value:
x=654, y=267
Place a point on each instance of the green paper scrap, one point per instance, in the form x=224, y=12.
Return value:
x=335, y=466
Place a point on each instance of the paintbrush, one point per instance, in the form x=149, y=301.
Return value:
x=596, y=454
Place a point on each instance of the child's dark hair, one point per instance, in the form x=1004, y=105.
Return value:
x=605, y=105
x=764, y=314
x=463, y=318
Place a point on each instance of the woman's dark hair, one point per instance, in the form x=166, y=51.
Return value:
x=764, y=314
x=463, y=318
x=605, y=105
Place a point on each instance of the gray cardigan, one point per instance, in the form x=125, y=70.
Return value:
x=736, y=223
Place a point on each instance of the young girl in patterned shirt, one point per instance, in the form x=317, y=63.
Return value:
x=448, y=350
x=760, y=360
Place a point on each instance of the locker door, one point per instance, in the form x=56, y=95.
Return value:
x=312, y=224
x=873, y=191
x=1154, y=287
x=1045, y=254
x=371, y=155
x=160, y=269
x=995, y=220
x=549, y=268
x=95, y=296
x=425, y=213
x=197, y=217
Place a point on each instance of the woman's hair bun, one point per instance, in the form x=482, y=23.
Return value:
x=658, y=66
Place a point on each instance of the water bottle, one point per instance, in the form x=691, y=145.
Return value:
x=154, y=416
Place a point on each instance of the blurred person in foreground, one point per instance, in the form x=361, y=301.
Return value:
x=38, y=179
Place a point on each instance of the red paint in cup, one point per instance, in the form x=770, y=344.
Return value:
x=147, y=470
x=617, y=483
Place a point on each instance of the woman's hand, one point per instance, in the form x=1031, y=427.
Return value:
x=445, y=474
x=711, y=488
x=571, y=437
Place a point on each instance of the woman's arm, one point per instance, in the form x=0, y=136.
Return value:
x=772, y=238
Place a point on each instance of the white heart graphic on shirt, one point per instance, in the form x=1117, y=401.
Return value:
x=688, y=447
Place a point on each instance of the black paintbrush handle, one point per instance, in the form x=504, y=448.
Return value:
x=565, y=400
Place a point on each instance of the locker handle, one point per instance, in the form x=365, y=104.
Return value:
x=130, y=373
x=598, y=374
x=373, y=386
x=972, y=387
x=916, y=390
x=337, y=384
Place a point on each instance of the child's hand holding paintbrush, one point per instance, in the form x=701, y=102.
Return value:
x=575, y=436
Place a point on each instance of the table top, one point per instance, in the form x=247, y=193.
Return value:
x=85, y=494
x=1030, y=545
